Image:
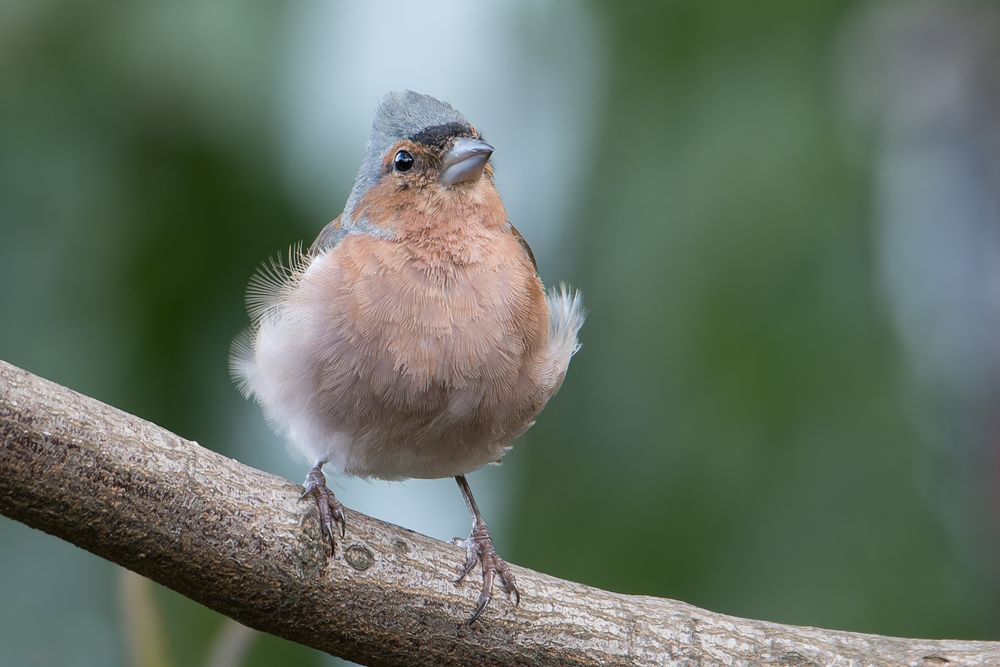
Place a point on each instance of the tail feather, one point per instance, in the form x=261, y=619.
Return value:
x=566, y=316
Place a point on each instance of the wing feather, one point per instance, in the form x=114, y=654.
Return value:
x=524, y=244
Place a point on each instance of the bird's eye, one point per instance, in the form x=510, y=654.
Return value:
x=403, y=161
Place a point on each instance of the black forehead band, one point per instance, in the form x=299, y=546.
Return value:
x=438, y=135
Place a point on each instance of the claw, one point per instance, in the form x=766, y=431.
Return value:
x=483, y=602
x=470, y=563
x=480, y=549
x=331, y=511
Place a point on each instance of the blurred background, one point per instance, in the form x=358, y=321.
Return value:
x=784, y=217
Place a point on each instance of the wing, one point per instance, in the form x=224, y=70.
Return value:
x=330, y=236
x=524, y=244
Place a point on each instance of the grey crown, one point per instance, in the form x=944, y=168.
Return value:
x=400, y=115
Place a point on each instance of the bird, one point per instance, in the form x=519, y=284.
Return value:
x=413, y=338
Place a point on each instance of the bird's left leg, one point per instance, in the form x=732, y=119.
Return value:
x=331, y=512
x=480, y=549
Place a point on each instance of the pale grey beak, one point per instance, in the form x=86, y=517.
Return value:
x=465, y=161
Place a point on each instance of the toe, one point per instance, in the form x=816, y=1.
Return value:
x=485, y=596
x=331, y=511
x=508, y=580
x=336, y=510
x=470, y=563
x=510, y=586
x=480, y=550
x=326, y=522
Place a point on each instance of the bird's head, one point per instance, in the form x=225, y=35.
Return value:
x=419, y=142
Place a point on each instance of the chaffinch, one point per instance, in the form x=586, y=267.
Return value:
x=414, y=337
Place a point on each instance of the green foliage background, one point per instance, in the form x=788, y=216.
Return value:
x=740, y=430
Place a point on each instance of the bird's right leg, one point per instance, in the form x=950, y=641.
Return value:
x=479, y=548
x=331, y=512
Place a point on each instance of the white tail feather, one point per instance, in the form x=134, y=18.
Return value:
x=566, y=316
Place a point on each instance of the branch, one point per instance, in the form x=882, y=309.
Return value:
x=239, y=541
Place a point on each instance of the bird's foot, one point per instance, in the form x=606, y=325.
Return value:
x=331, y=511
x=479, y=547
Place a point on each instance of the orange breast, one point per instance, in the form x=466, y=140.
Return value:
x=433, y=340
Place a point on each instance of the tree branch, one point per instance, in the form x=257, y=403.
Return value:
x=239, y=541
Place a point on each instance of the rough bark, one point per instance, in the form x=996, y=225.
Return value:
x=239, y=541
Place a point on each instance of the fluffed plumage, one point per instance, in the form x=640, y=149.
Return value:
x=417, y=341
x=414, y=337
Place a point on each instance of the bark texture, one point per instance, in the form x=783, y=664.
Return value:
x=239, y=541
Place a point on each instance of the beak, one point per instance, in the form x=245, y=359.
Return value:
x=465, y=161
